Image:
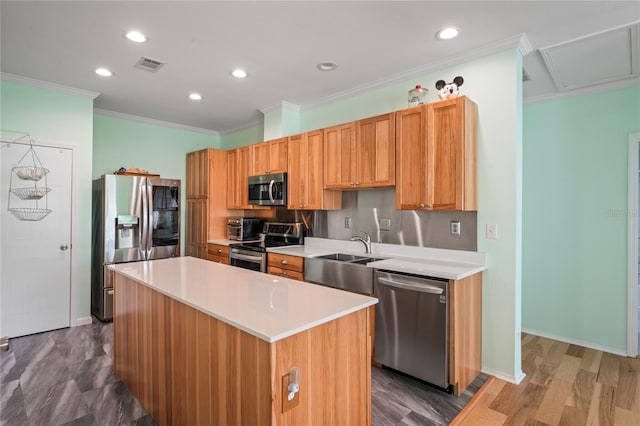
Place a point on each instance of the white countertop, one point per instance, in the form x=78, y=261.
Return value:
x=441, y=263
x=268, y=307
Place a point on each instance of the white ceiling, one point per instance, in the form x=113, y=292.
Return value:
x=280, y=43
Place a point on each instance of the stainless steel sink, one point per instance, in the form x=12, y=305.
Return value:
x=342, y=271
x=341, y=257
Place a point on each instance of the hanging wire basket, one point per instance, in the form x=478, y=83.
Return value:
x=30, y=172
x=30, y=193
x=29, y=213
x=29, y=168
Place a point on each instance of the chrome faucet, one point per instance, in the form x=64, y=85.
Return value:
x=366, y=242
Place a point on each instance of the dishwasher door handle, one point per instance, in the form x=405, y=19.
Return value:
x=422, y=288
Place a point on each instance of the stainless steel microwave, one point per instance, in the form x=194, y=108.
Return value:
x=268, y=190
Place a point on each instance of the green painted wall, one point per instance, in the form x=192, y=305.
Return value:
x=499, y=183
x=160, y=150
x=574, y=281
x=248, y=136
x=59, y=118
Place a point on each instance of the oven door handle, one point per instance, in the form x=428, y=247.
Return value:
x=271, y=184
x=246, y=257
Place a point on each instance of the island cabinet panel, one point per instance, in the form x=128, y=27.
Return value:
x=188, y=368
x=465, y=331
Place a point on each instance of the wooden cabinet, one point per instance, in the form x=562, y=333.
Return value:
x=239, y=169
x=436, y=149
x=465, y=331
x=205, y=213
x=306, y=174
x=270, y=157
x=361, y=154
x=218, y=253
x=285, y=266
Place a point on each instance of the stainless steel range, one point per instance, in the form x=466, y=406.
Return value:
x=254, y=255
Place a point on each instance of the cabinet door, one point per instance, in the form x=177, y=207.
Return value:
x=196, y=228
x=197, y=174
x=278, y=155
x=260, y=158
x=445, y=123
x=376, y=155
x=233, y=180
x=315, y=171
x=340, y=156
x=297, y=166
x=244, y=170
x=411, y=154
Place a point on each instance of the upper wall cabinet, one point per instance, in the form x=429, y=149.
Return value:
x=239, y=167
x=436, y=148
x=197, y=184
x=306, y=174
x=270, y=157
x=361, y=155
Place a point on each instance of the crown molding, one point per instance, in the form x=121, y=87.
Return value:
x=154, y=122
x=47, y=85
x=242, y=127
x=549, y=97
x=520, y=42
x=280, y=105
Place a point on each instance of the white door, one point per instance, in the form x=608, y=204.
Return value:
x=35, y=258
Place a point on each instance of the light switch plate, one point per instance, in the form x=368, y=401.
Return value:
x=347, y=223
x=455, y=227
x=492, y=231
x=385, y=224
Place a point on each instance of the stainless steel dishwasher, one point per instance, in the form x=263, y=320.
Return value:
x=412, y=325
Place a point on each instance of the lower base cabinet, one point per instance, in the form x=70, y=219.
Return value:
x=218, y=253
x=286, y=266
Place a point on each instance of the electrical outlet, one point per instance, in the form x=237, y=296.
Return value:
x=455, y=227
x=347, y=223
x=385, y=224
x=492, y=231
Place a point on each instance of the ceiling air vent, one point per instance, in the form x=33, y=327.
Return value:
x=149, y=64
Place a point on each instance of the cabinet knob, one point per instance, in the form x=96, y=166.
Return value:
x=284, y=272
x=219, y=250
x=284, y=261
x=421, y=206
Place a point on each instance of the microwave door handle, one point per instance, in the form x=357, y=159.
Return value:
x=271, y=184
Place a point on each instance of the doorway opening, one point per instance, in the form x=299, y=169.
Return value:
x=633, y=248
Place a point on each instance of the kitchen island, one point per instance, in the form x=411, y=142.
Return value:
x=203, y=343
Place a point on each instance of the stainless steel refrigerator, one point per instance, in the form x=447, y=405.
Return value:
x=135, y=218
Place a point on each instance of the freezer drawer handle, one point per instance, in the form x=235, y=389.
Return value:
x=422, y=288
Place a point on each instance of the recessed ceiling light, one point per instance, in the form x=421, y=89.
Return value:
x=238, y=73
x=327, y=66
x=103, y=72
x=195, y=96
x=447, y=33
x=136, y=36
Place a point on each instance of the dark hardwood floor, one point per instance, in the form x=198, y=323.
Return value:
x=65, y=377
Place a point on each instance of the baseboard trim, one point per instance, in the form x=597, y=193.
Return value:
x=467, y=409
x=83, y=321
x=505, y=377
x=575, y=342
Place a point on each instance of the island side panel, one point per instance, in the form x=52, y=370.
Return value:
x=465, y=331
x=335, y=371
x=140, y=346
x=186, y=367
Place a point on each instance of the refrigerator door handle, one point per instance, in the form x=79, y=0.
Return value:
x=144, y=245
x=149, y=203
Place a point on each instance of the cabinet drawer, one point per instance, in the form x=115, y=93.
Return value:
x=290, y=263
x=218, y=250
x=274, y=270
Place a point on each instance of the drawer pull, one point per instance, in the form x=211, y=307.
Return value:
x=219, y=250
x=284, y=261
